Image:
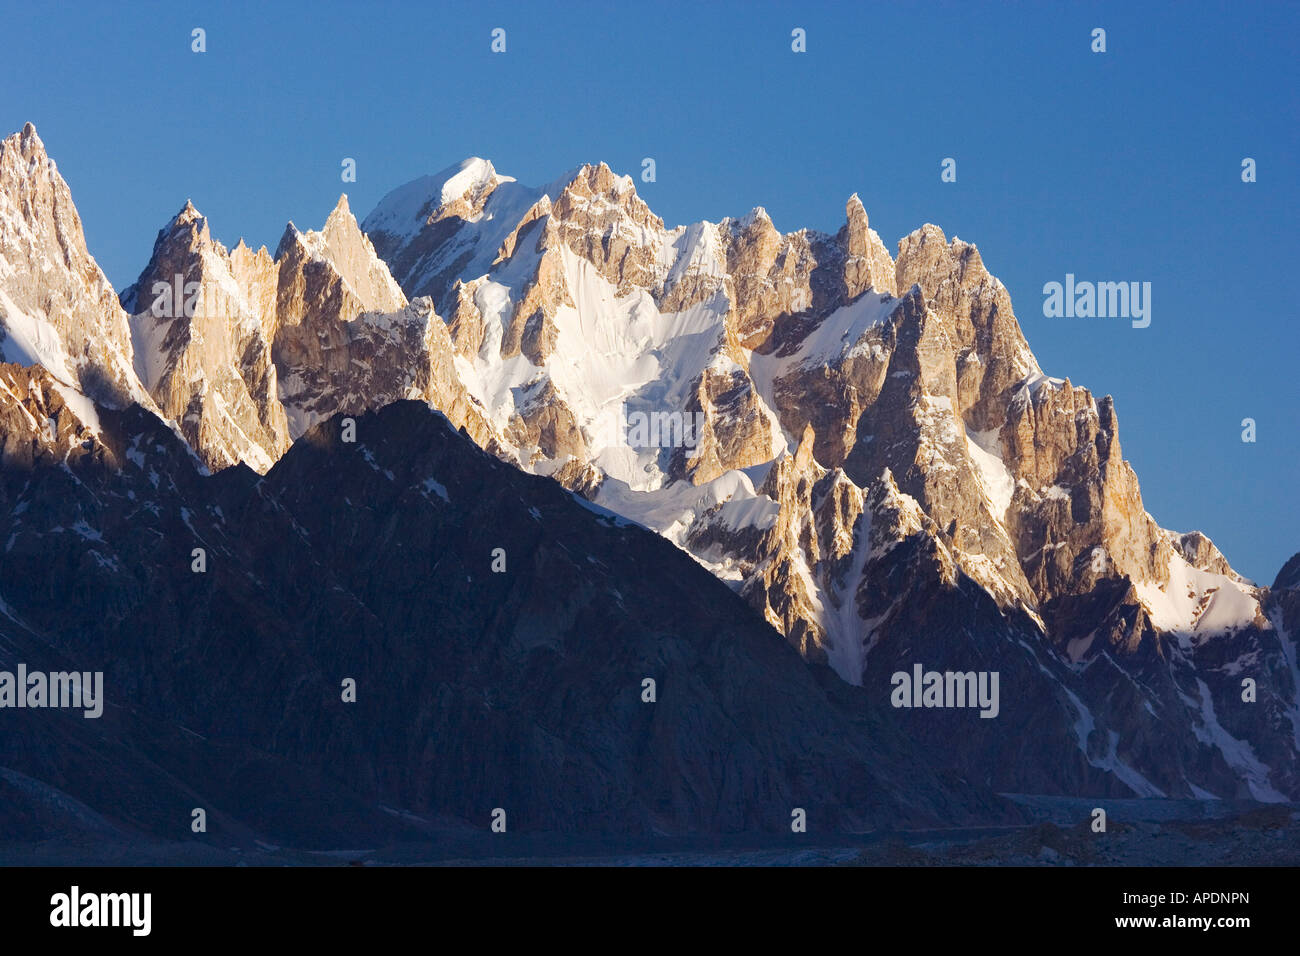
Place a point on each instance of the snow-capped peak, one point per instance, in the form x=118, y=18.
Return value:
x=472, y=175
x=406, y=209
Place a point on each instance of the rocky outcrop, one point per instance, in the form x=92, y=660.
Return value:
x=334, y=269
x=44, y=422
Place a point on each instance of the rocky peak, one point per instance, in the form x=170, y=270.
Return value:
x=198, y=317
x=924, y=259
x=340, y=212
x=437, y=230
x=187, y=215
x=1288, y=579
x=804, y=461
x=765, y=270
x=895, y=515
x=794, y=474
x=291, y=240
x=179, y=246
x=29, y=141
x=600, y=217
x=991, y=352
x=752, y=231
x=465, y=193
x=57, y=308
x=598, y=185
x=347, y=339
x=858, y=221
x=352, y=255
x=459, y=191
x=28, y=157
x=334, y=273
x=253, y=269
x=1199, y=551
x=867, y=263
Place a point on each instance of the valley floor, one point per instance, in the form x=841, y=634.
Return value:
x=1138, y=833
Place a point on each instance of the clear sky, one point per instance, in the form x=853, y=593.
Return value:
x=1115, y=166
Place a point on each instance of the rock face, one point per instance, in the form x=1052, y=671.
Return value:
x=862, y=447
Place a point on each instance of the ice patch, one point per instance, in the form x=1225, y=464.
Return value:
x=985, y=450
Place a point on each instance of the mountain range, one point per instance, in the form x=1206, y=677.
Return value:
x=408, y=449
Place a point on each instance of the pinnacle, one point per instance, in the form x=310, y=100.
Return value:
x=288, y=239
x=803, y=455
x=28, y=141
x=341, y=217
x=187, y=216
x=854, y=209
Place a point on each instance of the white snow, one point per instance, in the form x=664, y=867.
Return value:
x=81, y=406
x=148, y=334
x=837, y=335
x=1037, y=380
x=613, y=356
x=31, y=340
x=404, y=213
x=1238, y=753
x=985, y=450
x=847, y=632
x=672, y=509
x=404, y=210
x=693, y=251
x=1197, y=602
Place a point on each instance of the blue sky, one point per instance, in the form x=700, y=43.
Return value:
x=1117, y=166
